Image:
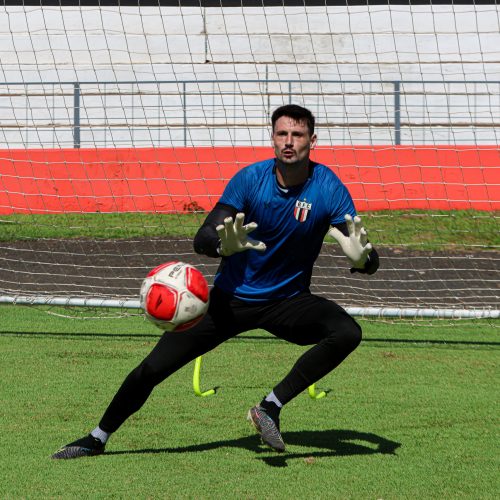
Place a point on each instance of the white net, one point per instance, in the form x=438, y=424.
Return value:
x=121, y=124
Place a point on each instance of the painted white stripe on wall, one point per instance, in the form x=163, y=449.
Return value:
x=388, y=42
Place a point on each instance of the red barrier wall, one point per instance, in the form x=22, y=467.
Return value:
x=176, y=179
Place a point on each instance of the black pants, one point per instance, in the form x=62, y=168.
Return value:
x=304, y=320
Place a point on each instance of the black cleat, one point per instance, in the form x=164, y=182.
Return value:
x=87, y=446
x=267, y=428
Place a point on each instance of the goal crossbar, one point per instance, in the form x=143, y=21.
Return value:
x=381, y=312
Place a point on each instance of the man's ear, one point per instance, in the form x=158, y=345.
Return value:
x=314, y=141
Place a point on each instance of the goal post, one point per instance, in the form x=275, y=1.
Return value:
x=120, y=125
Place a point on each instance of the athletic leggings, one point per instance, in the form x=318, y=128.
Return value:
x=305, y=319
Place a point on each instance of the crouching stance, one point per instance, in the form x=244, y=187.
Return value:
x=287, y=204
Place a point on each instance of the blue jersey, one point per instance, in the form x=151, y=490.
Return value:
x=292, y=224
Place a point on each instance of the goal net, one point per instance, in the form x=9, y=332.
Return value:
x=121, y=123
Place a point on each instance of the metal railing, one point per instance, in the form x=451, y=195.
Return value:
x=211, y=112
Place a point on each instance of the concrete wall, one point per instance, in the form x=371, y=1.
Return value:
x=360, y=44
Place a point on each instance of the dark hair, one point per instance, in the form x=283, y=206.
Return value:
x=297, y=113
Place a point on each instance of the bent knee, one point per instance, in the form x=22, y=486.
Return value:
x=356, y=334
x=347, y=332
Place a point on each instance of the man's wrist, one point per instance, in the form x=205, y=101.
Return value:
x=370, y=266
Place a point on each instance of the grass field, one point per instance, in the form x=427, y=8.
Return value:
x=413, y=413
x=416, y=229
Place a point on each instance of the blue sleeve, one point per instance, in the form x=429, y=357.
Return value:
x=341, y=204
x=235, y=193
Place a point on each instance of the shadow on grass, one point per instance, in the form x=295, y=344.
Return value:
x=239, y=338
x=331, y=443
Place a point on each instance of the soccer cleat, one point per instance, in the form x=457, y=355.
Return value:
x=267, y=428
x=87, y=446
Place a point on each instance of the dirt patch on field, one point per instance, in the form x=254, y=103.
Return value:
x=115, y=269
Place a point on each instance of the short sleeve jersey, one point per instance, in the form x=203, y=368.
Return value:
x=292, y=223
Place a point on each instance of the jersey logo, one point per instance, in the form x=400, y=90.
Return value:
x=301, y=210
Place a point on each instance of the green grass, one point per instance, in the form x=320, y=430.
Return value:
x=435, y=230
x=98, y=225
x=416, y=229
x=413, y=413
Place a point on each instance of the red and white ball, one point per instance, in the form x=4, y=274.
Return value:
x=174, y=296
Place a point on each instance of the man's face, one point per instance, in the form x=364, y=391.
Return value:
x=292, y=141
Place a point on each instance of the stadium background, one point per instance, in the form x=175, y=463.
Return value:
x=219, y=72
x=413, y=414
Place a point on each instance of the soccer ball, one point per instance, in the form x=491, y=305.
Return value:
x=174, y=296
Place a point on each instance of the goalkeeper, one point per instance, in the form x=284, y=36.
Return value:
x=268, y=228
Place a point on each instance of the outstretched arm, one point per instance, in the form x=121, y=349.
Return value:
x=352, y=237
x=223, y=233
x=206, y=241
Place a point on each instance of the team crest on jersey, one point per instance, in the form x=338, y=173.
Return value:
x=302, y=209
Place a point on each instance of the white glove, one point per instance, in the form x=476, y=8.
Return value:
x=354, y=246
x=233, y=237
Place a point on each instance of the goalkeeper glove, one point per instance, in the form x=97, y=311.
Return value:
x=355, y=246
x=233, y=236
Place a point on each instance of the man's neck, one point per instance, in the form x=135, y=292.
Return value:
x=292, y=175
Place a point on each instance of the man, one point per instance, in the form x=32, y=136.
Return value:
x=289, y=203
